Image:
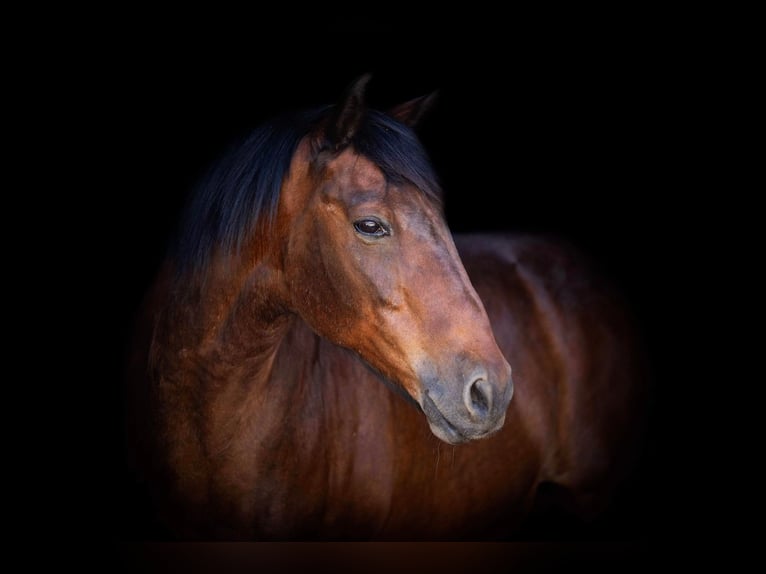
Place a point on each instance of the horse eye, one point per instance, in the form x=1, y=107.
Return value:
x=370, y=227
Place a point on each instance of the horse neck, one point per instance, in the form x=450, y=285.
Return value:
x=230, y=316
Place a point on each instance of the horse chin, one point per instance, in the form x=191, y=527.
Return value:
x=451, y=435
x=445, y=431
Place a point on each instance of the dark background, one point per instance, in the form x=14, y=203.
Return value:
x=586, y=132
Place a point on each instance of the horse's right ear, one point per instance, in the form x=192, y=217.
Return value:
x=347, y=117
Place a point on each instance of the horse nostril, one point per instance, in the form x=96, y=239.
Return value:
x=478, y=398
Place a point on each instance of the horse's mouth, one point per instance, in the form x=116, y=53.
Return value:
x=440, y=425
x=446, y=430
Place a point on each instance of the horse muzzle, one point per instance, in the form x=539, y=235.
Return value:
x=462, y=413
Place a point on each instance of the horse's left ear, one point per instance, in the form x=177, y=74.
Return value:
x=410, y=113
x=348, y=114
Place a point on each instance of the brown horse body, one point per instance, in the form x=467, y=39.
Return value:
x=259, y=409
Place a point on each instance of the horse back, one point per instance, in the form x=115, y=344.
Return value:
x=578, y=366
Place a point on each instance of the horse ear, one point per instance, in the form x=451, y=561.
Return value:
x=410, y=113
x=348, y=114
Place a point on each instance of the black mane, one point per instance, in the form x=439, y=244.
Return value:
x=242, y=190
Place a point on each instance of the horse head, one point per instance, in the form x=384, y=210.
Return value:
x=367, y=261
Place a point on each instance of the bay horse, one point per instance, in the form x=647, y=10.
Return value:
x=320, y=359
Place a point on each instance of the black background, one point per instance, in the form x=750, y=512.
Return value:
x=584, y=131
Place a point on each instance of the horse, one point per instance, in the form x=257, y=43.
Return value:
x=320, y=358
